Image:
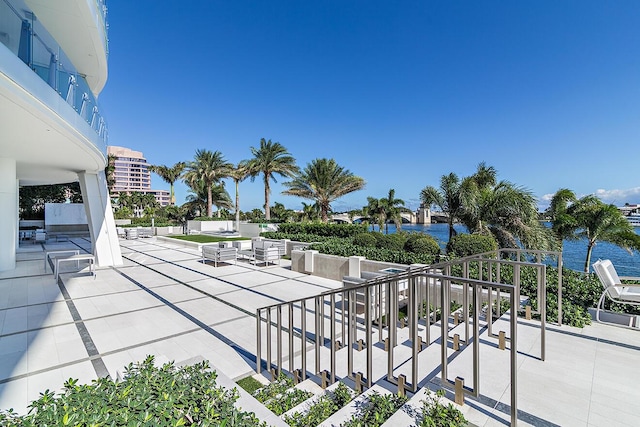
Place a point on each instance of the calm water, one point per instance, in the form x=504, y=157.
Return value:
x=573, y=255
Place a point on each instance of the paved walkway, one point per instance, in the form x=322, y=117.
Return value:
x=165, y=302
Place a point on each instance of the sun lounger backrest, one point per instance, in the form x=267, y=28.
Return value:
x=608, y=276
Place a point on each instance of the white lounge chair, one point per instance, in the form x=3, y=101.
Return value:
x=617, y=291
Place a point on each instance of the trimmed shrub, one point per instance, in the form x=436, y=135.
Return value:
x=465, y=244
x=297, y=237
x=321, y=229
x=364, y=239
x=422, y=244
x=393, y=242
x=339, y=248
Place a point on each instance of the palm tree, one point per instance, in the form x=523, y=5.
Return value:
x=170, y=174
x=323, y=181
x=199, y=194
x=597, y=221
x=109, y=171
x=208, y=167
x=562, y=224
x=270, y=159
x=392, y=209
x=238, y=174
x=310, y=212
x=375, y=212
x=447, y=198
x=506, y=211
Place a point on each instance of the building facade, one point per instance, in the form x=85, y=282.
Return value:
x=131, y=175
x=53, y=66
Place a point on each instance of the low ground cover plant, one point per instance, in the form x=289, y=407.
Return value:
x=436, y=414
x=375, y=410
x=249, y=384
x=280, y=395
x=326, y=406
x=148, y=395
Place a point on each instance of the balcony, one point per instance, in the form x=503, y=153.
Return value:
x=23, y=34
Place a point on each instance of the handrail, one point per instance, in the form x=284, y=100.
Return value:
x=373, y=305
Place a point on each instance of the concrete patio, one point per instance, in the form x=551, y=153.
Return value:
x=165, y=302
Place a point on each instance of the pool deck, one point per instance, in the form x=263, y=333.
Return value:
x=164, y=301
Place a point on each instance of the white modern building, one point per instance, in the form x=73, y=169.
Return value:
x=53, y=65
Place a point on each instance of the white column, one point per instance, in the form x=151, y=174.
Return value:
x=8, y=214
x=102, y=227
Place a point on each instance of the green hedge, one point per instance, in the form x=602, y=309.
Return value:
x=148, y=395
x=296, y=237
x=320, y=229
x=464, y=244
x=375, y=254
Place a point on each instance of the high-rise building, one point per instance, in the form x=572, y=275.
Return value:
x=53, y=66
x=131, y=174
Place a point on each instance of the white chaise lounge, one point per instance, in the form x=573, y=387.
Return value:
x=614, y=289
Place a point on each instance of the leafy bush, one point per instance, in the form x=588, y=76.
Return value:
x=320, y=229
x=435, y=414
x=249, y=384
x=376, y=410
x=326, y=406
x=147, y=395
x=393, y=242
x=280, y=396
x=465, y=244
x=422, y=244
x=209, y=218
x=364, y=239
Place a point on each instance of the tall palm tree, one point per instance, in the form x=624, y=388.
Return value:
x=271, y=159
x=562, y=224
x=109, y=171
x=597, y=221
x=447, y=197
x=170, y=174
x=208, y=167
x=392, y=210
x=239, y=173
x=323, y=181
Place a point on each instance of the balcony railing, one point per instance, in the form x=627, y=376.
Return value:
x=25, y=37
x=315, y=332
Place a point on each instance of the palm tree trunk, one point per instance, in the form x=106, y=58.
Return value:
x=209, y=201
x=267, y=212
x=172, y=200
x=452, y=231
x=587, y=261
x=237, y=206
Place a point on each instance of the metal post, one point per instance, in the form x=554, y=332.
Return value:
x=269, y=339
x=332, y=327
x=413, y=319
x=350, y=337
x=543, y=313
x=258, y=341
x=369, y=338
x=291, y=349
x=476, y=342
x=279, y=337
x=514, y=359
x=303, y=338
x=444, y=328
x=317, y=333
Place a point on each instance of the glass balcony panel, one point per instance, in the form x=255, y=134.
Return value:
x=23, y=34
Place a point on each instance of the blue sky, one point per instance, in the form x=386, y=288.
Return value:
x=399, y=93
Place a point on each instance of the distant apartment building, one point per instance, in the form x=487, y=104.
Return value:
x=132, y=175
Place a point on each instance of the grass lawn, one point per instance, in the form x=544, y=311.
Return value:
x=203, y=238
x=250, y=384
